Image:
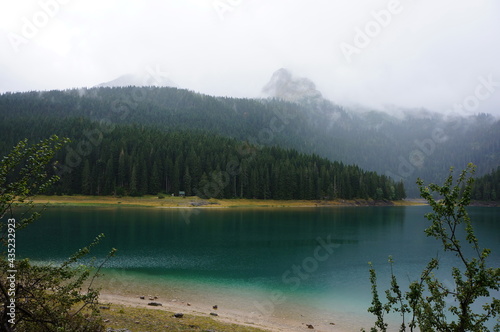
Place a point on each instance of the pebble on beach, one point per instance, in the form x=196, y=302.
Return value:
x=155, y=304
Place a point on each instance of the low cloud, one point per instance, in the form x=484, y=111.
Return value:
x=426, y=54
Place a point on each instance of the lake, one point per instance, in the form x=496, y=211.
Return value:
x=292, y=261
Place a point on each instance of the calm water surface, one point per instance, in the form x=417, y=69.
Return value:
x=317, y=258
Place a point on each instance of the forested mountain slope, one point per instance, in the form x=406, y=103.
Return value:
x=418, y=144
x=138, y=160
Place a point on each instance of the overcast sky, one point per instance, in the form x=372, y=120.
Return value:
x=432, y=54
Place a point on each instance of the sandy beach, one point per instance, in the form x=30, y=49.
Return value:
x=253, y=307
x=225, y=314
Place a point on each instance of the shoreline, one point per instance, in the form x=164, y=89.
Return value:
x=260, y=308
x=196, y=202
x=226, y=313
x=228, y=316
x=250, y=307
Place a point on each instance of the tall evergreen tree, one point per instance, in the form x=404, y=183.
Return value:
x=154, y=180
x=143, y=183
x=122, y=169
x=86, y=178
x=109, y=179
x=187, y=182
x=133, y=191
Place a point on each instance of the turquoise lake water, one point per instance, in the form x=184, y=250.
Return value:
x=314, y=258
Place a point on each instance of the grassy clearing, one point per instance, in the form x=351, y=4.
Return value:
x=145, y=319
x=187, y=202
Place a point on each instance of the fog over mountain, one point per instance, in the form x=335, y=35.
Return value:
x=286, y=87
x=418, y=55
x=139, y=79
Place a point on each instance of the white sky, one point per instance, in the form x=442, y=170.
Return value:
x=431, y=54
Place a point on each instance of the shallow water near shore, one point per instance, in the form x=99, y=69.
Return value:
x=305, y=263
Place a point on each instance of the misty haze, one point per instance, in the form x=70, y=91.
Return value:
x=254, y=163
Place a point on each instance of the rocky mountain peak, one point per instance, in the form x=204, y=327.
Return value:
x=283, y=85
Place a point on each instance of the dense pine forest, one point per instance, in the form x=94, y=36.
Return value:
x=138, y=160
x=487, y=187
x=418, y=144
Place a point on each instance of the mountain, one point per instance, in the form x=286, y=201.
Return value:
x=283, y=85
x=413, y=144
x=112, y=157
x=139, y=79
